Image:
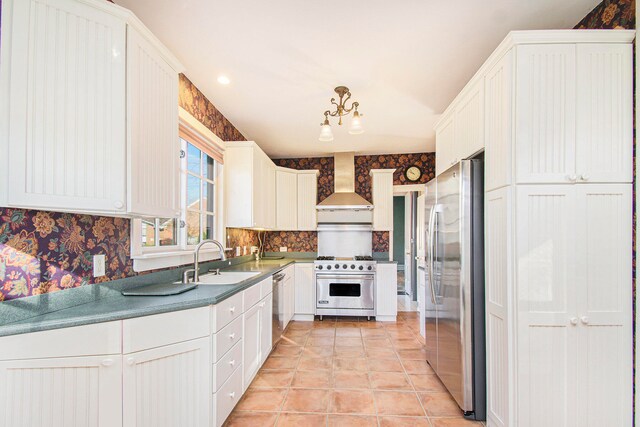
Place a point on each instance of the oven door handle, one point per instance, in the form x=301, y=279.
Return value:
x=345, y=277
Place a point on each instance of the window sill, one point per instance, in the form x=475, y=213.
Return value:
x=159, y=260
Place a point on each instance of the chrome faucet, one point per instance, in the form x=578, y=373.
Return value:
x=196, y=255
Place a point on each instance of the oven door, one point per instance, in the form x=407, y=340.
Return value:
x=344, y=291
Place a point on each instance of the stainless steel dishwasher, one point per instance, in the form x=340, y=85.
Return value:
x=277, y=328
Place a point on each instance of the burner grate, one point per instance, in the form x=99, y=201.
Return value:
x=326, y=258
x=363, y=258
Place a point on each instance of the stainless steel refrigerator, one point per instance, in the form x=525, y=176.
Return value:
x=454, y=284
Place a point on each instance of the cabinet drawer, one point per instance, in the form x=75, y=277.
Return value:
x=266, y=287
x=141, y=333
x=228, y=363
x=226, y=311
x=251, y=296
x=227, y=338
x=228, y=396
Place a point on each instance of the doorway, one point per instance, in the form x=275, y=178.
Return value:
x=398, y=241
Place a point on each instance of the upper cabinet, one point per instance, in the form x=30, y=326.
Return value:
x=382, y=194
x=446, y=155
x=91, y=112
x=286, y=199
x=307, y=199
x=574, y=112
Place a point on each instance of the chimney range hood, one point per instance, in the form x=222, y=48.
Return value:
x=344, y=205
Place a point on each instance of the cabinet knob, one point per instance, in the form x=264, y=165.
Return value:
x=107, y=362
x=262, y=304
x=118, y=204
x=232, y=336
x=573, y=320
x=232, y=310
x=131, y=361
x=232, y=395
x=232, y=362
x=585, y=177
x=585, y=320
x=572, y=177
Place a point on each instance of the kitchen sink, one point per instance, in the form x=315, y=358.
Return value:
x=226, y=277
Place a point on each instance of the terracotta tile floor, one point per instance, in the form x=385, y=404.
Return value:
x=348, y=372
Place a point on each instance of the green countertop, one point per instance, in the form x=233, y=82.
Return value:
x=114, y=306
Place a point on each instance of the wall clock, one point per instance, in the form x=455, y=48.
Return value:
x=413, y=173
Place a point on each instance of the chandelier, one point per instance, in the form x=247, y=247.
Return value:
x=355, y=127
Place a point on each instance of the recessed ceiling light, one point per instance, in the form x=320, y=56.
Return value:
x=224, y=80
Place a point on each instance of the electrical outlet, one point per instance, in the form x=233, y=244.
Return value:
x=244, y=251
x=98, y=265
x=238, y=251
x=283, y=249
x=254, y=249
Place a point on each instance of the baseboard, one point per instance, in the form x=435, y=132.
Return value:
x=386, y=318
x=304, y=317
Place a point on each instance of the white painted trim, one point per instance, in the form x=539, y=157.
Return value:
x=5, y=84
x=399, y=190
x=304, y=317
x=637, y=201
x=386, y=318
x=156, y=260
x=193, y=124
x=515, y=38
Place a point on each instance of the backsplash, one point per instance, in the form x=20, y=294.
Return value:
x=610, y=14
x=303, y=241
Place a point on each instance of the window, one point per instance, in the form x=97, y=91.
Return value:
x=163, y=242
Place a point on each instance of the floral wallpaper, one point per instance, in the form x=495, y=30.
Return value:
x=307, y=242
x=610, y=14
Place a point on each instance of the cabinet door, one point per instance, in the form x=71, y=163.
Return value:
x=386, y=298
x=307, y=200
x=469, y=122
x=305, y=290
x=382, y=191
x=67, y=107
x=270, y=193
x=286, y=200
x=266, y=312
x=251, y=358
x=445, y=144
x=168, y=385
x=604, y=121
x=62, y=392
x=152, y=131
x=258, y=207
x=498, y=123
x=545, y=113
x=547, y=305
x=604, y=276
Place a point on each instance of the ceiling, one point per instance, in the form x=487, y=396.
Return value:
x=403, y=61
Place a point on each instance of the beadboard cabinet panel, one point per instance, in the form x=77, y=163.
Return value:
x=305, y=292
x=382, y=193
x=307, y=200
x=286, y=200
x=604, y=122
x=81, y=391
x=445, y=141
x=469, y=122
x=168, y=385
x=546, y=113
x=152, y=131
x=67, y=124
x=386, y=299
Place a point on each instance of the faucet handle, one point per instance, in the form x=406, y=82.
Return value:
x=215, y=271
x=188, y=272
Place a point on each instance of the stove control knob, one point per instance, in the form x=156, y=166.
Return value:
x=328, y=267
x=337, y=266
x=319, y=267
x=353, y=266
x=344, y=266
x=360, y=268
x=369, y=268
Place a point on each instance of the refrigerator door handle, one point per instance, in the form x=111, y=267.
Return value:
x=432, y=216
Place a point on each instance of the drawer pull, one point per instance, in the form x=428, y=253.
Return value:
x=131, y=361
x=262, y=304
x=232, y=310
x=573, y=320
x=232, y=395
x=232, y=336
x=107, y=362
x=232, y=362
x=584, y=320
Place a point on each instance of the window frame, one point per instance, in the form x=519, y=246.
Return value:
x=154, y=257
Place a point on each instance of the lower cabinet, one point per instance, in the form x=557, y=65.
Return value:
x=61, y=392
x=167, y=385
x=386, y=299
x=305, y=292
x=256, y=338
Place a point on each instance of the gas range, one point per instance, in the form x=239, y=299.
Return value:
x=357, y=264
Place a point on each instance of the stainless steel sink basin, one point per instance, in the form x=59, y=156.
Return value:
x=226, y=277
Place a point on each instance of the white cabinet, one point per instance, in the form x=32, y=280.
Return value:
x=251, y=352
x=266, y=327
x=307, y=200
x=386, y=299
x=587, y=136
x=446, y=155
x=92, y=114
x=89, y=388
x=382, y=193
x=305, y=292
x=469, y=122
x=152, y=130
x=286, y=199
x=167, y=384
x=250, y=187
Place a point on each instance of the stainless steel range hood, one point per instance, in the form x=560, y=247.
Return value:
x=344, y=178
